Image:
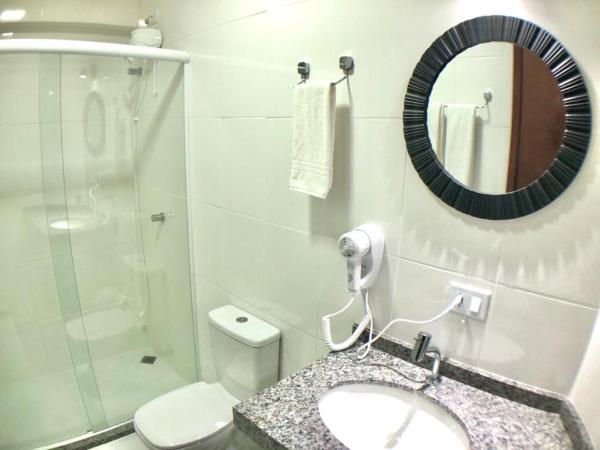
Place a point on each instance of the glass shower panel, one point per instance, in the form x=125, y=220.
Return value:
x=36, y=370
x=132, y=274
x=96, y=313
x=161, y=180
x=60, y=227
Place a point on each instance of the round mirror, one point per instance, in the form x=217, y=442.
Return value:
x=497, y=117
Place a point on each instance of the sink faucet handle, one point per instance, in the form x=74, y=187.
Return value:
x=421, y=345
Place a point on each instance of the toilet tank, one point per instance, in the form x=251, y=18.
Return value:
x=245, y=351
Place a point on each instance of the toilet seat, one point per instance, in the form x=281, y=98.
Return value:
x=186, y=416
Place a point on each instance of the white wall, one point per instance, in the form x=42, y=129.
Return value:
x=585, y=393
x=273, y=251
x=89, y=20
x=106, y=12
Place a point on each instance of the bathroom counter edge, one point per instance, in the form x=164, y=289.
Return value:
x=286, y=416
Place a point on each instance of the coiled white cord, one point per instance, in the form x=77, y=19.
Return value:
x=365, y=321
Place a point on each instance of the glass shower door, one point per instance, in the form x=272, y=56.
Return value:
x=40, y=387
x=60, y=225
x=123, y=161
x=96, y=313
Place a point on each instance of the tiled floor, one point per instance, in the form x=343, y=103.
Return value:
x=130, y=442
x=236, y=441
x=124, y=385
x=24, y=419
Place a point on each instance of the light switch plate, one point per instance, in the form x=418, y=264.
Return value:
x=468, y=292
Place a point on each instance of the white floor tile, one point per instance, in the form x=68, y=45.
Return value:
x=129, y=442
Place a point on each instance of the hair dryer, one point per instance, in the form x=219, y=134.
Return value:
x=363, y=249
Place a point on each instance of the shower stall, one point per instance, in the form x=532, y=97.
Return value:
x=96, y=307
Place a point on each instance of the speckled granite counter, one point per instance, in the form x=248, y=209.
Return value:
x=286, y=415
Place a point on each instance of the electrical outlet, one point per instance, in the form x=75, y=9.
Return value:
x=476, y=301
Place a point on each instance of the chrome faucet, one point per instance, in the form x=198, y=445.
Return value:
x=421, y=349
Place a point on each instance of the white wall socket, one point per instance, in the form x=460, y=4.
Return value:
x=476, y=301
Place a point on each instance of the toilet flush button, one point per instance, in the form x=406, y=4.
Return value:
x=241, y=319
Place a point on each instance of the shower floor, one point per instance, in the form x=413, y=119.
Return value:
x=45, y=409
x=125, y=384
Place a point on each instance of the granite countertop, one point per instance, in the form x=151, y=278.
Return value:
x=286, y=415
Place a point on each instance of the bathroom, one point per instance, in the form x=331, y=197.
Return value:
x=148, y=203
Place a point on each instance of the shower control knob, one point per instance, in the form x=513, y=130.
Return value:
x=159, y=217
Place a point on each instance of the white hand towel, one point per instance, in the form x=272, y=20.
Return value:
x=459, y=149
x=313, y=138
x=437, y=127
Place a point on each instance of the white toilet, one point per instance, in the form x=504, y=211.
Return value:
x=245, y=353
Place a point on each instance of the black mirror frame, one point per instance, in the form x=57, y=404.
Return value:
x=578, y=120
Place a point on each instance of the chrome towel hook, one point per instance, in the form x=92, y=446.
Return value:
x=303, y=71
x=487, y=98
x=346, y=63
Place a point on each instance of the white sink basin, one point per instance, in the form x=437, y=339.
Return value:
x=371, y=416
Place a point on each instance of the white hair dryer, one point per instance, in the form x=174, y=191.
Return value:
x=363, y=249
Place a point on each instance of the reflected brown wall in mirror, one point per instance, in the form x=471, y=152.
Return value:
x=538, y=120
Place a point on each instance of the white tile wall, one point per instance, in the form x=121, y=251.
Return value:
x=292, y=277
x=365, y=147
x=205, y=137
x=439, y=236
x=585, y=393
x=108, y=12
x=243, y=256
x=527, y=335
x=243, y=173
x=421, y=299
x=562, y=242
x=284, y=207
x=254, y=239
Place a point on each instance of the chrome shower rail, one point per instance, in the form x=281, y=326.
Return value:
x=63, y=46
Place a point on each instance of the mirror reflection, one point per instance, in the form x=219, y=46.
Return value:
x=496, y=118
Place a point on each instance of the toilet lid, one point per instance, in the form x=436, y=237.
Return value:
x=186, y=415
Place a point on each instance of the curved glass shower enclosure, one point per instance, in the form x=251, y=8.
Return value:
x=96, y=313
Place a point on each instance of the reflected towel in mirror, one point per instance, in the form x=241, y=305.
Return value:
x=437, y=128
x=459, y=144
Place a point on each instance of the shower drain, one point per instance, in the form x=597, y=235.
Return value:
x=147, y=359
